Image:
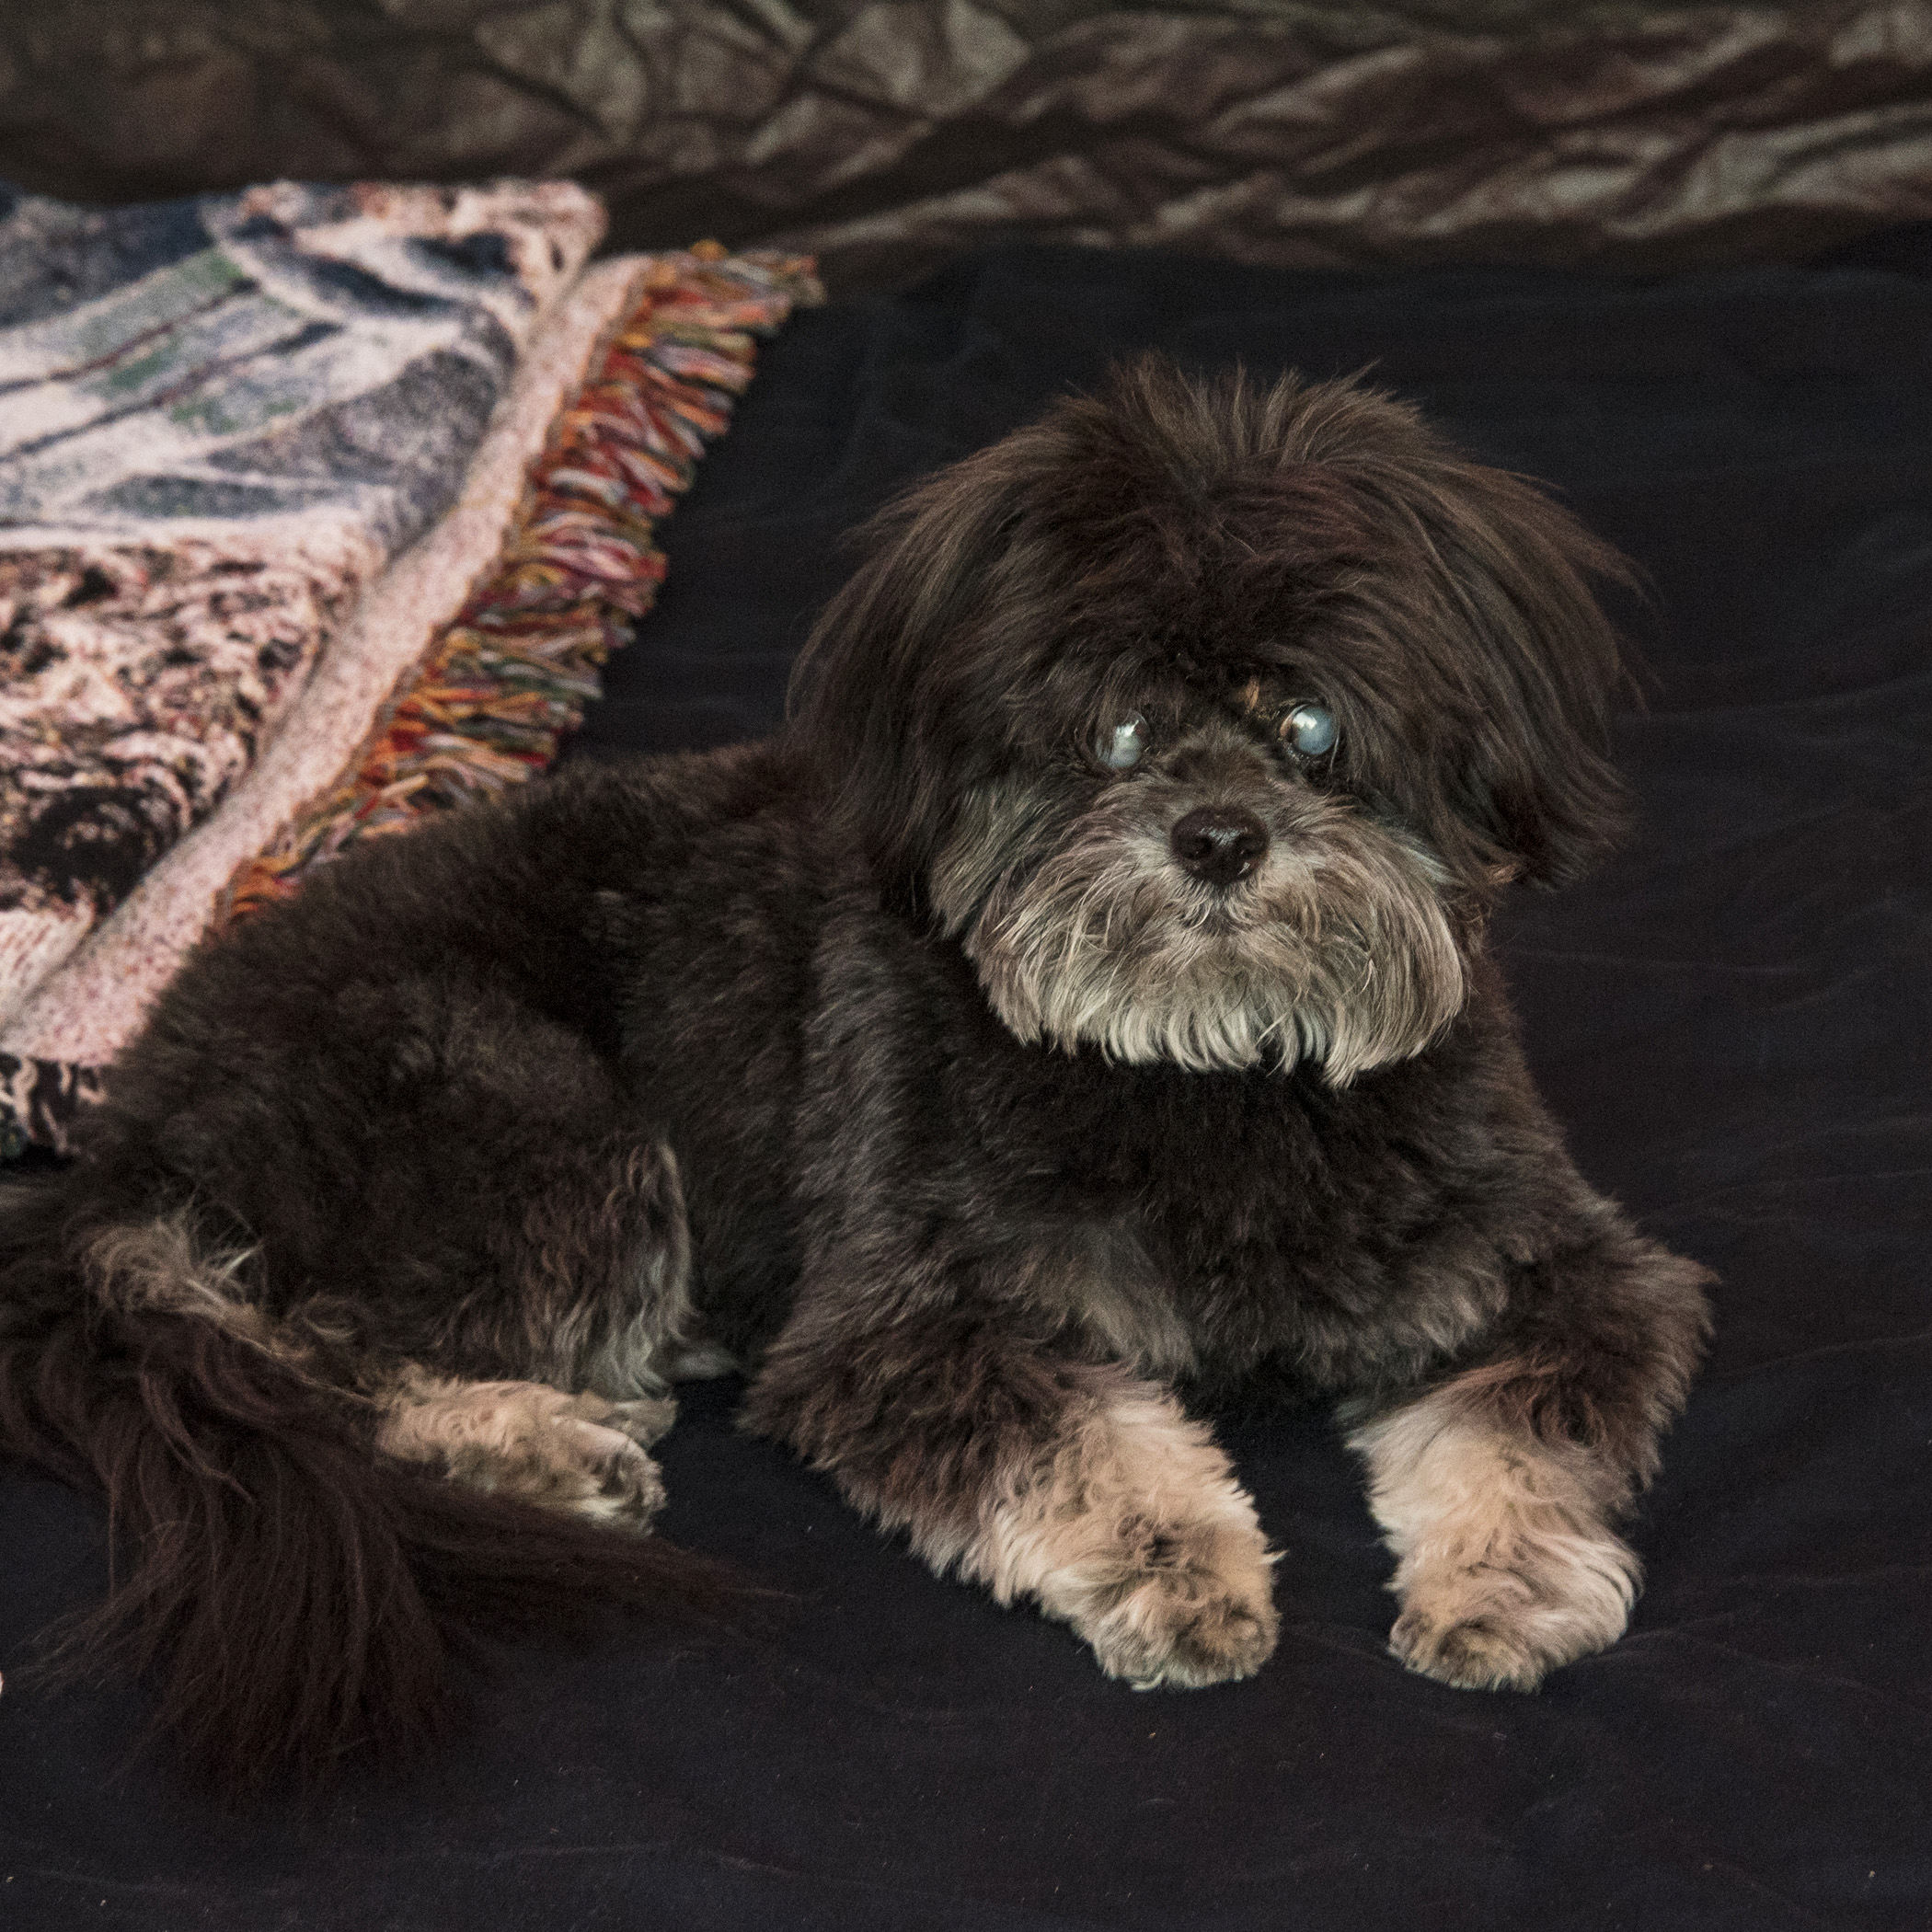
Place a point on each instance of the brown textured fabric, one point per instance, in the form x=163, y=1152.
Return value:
x=881, y=133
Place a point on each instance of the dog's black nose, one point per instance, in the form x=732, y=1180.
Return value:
x=1219, y=842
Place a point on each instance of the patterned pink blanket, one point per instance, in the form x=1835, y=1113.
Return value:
x=174, y=647
x=208, y=448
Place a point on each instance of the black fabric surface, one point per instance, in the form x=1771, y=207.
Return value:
x=1733, y=1017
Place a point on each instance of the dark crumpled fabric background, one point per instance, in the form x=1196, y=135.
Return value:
x=1733, y=1019
x=883, y=133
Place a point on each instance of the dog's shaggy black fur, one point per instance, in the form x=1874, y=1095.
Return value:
x=1082, y=1006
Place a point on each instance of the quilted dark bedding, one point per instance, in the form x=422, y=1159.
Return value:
x=1733, y=1017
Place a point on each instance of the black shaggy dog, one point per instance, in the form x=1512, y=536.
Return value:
x=1080, y=1009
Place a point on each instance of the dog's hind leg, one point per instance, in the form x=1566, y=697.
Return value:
x=298, y=1582
x=1498, y=1489
x=581, y=1453
x=386, y=1123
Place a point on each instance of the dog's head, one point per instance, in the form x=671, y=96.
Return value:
x=1211, y=718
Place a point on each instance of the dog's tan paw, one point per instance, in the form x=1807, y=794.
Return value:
x=578, y=1453
x=594, y=1462
x=644, y=1419
x=1204, y=1615
x=1131, y=1528
x=1505, y=1623
x=1507, y=1568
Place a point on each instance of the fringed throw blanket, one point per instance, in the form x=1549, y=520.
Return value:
x=218, y=419
x=513, y=675
x=450, y=674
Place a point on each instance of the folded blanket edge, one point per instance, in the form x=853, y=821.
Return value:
x=499, y=687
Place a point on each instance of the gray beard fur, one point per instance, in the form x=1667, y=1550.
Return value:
x=1338, y=952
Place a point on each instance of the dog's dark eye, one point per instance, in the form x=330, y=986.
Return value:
x=1123, y=746
x=1310, y=728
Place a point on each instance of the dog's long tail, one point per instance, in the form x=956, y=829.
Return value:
x=296, y=1597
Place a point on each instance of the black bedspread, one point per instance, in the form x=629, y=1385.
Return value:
x=1733, y=1018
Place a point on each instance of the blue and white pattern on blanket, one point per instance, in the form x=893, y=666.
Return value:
x=254, y=354
x=218, y=419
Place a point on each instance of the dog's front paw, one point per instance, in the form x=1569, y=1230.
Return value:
x=1202, y=1611
x=1134, y=1531
x=1505, y=1620
x=1508, y=1567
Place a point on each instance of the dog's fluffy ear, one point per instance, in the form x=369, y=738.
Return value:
x=1530, y=774
x=887, y=710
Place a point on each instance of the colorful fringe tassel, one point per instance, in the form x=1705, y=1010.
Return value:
x=493, y=701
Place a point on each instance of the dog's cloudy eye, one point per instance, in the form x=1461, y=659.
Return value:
x=1123, y=746
x=1310, y=728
